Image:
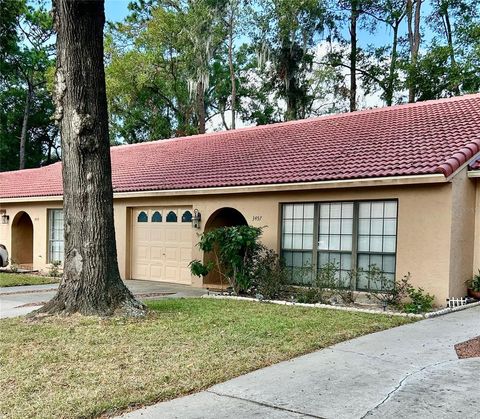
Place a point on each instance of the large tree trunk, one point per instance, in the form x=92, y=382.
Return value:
x=91, y=283
x=23, y=134
x=353, y=55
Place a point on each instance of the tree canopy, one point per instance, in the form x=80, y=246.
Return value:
x=182, y=67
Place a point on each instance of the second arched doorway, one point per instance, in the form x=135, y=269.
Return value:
x=22, y=240
x=223, y=217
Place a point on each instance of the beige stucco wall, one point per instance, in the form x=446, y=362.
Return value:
x=424, y=225
x=462, y=233
x=476, y=258
x=38, y=212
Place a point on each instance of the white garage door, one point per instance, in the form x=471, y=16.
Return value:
x=162, y=244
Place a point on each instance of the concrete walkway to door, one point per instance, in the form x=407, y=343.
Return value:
x=411, y=371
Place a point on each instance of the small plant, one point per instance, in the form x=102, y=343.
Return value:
x=54, y=270
x=323, y=287
x=325, y=282
x=308, y=295
x=474, y=283
x=419, y=301
x=269, y=273
x=388, y=292
x=346, y=291
x=13, y=266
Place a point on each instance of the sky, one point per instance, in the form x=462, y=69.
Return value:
x=116, y=10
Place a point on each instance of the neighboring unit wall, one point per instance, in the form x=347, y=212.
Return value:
x=463, y=233
x=38, y=213
x=476, y=259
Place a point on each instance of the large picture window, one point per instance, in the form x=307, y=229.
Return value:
x=55, y=235
x=348, y=234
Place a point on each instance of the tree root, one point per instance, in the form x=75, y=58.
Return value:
x=116, y=303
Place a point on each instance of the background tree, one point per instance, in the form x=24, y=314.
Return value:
x=27, y=134
x=414, y=8
x=379, y=66
x=182, y=67
x=91, y=283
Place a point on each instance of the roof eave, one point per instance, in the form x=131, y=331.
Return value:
x=277, y=187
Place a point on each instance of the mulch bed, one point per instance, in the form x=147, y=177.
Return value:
x=468, y=349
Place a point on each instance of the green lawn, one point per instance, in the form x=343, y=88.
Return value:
x=13, y=280
x=82, y=367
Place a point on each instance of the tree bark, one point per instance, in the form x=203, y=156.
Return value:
x=414, y=42
x=201, y=108
x=232, y=70
x=91, y=283
x=449, y=36
x=393, y=65
x=353, y=55
x=23, y=134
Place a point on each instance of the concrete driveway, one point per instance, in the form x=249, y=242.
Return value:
x=18, y=301
x=411, y=371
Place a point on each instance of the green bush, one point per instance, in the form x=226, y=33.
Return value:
x=387, y=291
x=269, y=274
x=324, y=286
x=54, y=270
x=325, y=282
x=346, y=291
x=474, y=283
x=419, y=301
x=234, y=250
x=308, y=295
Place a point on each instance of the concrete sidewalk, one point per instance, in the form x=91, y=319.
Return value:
x=411, y=371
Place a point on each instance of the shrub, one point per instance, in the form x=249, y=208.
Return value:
x=55, y=268
x=419, y=302
x=474, y=283
x=269, y=273
x=307, y=295
x=346, y=291
x=325, y=282
x=197, y=268
x=325, y=285
x=13, y=266
x=234, y=250
x=387, y=291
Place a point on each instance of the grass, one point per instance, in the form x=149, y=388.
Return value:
x=16, y=279
x=83, y=367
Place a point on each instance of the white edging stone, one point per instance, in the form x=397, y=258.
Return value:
x=437, y=313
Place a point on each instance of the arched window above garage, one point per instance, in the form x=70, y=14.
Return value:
x=171, y=217
x=187, y=217
x=142, y=217
x=156, y=217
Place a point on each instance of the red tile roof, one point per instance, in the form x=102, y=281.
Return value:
x=415, y=139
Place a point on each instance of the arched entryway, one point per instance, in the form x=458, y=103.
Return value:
x=223, y=217
x=22, y=240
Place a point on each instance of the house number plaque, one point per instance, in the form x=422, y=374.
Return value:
x=257, y=218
